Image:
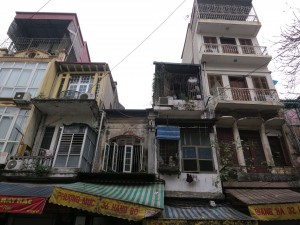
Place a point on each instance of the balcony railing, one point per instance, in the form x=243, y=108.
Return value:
x=245, y=94
x=234, y=49
x=69, y=94
x=227, y=12
x=50, y=45
x=31, y=162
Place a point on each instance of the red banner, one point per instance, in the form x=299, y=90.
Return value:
x=28, y=205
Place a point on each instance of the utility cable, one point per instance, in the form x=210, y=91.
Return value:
x=30, y=18
x=168, y=17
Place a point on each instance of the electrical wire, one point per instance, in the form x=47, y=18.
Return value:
x=30, y=18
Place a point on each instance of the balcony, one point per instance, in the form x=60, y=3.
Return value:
x=227, y=20
x=69, y=103
x=53, y=46
x=244, y=98
x=235, y=54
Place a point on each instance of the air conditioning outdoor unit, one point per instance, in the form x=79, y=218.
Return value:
x=14, y=165
x=87, y=96
x=22, y=97
x=3, y=157
x=165, y=101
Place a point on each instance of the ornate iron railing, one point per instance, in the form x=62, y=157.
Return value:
x=31, y=162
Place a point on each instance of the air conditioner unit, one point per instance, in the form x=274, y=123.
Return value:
x=3, y=157
x=22, y=97
x=87, y=96
x=165, y=101
x=14, y=165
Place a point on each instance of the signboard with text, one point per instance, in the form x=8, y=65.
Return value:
x=275, y=211
x=27, y=205
x=105, y=206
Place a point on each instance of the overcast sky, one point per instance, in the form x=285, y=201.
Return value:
x=113, y=28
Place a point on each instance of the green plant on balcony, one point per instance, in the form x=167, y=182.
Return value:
x=40, y=170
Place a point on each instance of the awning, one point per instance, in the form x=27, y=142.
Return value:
x=269, y=204
x=191, y=215
x=133, y=202
x=168, y=132
x=23, y=198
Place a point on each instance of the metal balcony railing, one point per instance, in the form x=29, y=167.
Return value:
x=234, y=49
x=227, y=12
x=69, y=94
x=245, y=94
x=50, y=45
x=31, y=162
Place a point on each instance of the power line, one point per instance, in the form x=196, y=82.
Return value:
x=30, y=18
x=149, y=35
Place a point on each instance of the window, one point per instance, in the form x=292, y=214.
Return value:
x=81, y=83
x=278, y=149
x=12, y=122
x=247, y=46
x=262, y=91
x=20, y=77
x=76, y=148
x=214, y=82
x=196, y=150
x=210, y=44
x=123, y=154
x=168, y=154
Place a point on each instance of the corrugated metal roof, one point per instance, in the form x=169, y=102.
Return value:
x=144, y=194
x=25, y=189
x=204, y=213
x=168, y=132
x=265, y=196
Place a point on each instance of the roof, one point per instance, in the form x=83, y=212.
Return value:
x=25, y=189
x=265, y=196
x=151, y=195
x=203, y=213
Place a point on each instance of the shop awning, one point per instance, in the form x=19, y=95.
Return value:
x=23, y=197
x=133, y=202
x=269, y=204
x=168, y=132
x=194, y=214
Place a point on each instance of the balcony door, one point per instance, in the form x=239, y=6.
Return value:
x=210, y=44
x=239, y=89
x=229, y=45
x=247, y=46
x=262, y=91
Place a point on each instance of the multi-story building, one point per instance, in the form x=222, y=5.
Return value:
x=258, y=164
x=51, y=102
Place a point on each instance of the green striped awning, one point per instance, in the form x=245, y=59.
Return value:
x=148, y=194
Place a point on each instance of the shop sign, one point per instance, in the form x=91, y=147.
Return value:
x=125, y=210
x=74, y=199
x=275, y=211
x=198, y=222
x=27, y=205
x=101, y=205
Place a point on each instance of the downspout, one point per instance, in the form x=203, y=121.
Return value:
x=98, y=138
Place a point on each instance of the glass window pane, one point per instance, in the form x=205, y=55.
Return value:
x=33, y=92
x=18, y=65
x=37, y=78
x=25, y=76
x=60, y=161
x=204, y=153
x=195, y=137
x=205, y=140
x=73, y=161
x=3, y=76
x=206, y=165
x=8, y=65
x=42, y=65
x=189, y=152
x=11, y=148
x=12, y=110
x=7, y=93
x=5, y=123
x=190, y=165
x=30, y=65
x=13, y=78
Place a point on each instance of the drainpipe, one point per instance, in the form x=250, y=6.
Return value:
x=98, y=138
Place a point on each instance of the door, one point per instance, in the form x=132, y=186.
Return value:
x=253, y=151
x=247, y=46
x=229, y=45
x=262, y=91
x=239, y=89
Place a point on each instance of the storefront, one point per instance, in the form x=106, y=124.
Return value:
x=127, y=201
x=269, y=206
x=201, y=215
